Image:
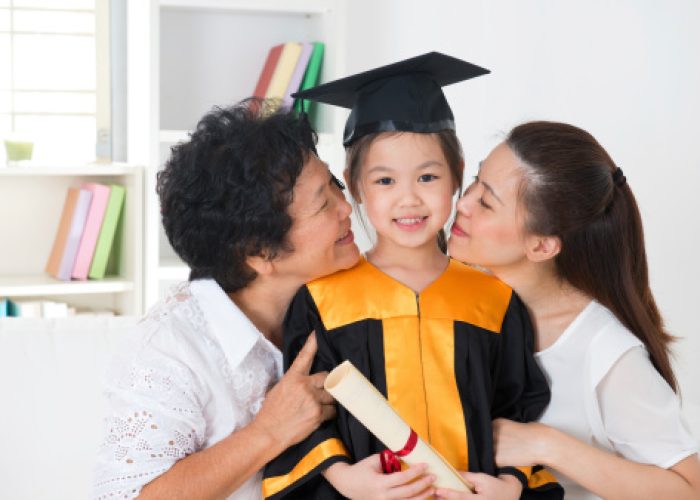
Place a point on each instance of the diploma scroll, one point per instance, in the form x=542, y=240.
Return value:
x=351, y=389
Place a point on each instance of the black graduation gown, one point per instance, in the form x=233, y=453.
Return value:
x=449, y=360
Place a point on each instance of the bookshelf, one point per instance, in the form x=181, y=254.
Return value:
x=31, y=201
x=186, y=56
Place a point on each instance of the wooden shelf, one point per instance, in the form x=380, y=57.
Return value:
x=36, y=286
x=275, y=6
x=97, y=169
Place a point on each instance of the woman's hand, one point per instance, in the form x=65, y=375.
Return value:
x=298, y=404
x=519, y=444
x=486, y=487
x=365, y=480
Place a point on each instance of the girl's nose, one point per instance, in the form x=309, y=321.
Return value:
x=409, y=197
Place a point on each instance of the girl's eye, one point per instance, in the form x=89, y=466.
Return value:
x=427, y=178
x=384, y=181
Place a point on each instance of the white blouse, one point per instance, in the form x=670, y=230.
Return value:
x=607, y=393
x=194, y=370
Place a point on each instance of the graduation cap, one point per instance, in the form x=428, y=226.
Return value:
x=403, y=96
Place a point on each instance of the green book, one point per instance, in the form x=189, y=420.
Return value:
x=105, y=241
x=12, y=310
x=311, y=76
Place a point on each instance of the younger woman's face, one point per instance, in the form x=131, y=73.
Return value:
x=489, y=228
x=406, y=188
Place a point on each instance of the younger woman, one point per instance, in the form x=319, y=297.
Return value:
x=450, y=347
x=553, y=216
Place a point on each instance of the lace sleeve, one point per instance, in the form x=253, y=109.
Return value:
x=154, y=418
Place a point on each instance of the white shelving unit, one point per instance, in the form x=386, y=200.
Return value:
x=31, y=201
x=186, y=56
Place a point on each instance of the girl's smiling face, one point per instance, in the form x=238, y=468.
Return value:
x=406, y=188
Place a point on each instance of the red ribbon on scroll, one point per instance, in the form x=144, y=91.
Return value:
x=390, y=459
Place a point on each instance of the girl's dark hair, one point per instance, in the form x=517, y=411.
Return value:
x=573, y=190
x=224, y=194
x=449, y=143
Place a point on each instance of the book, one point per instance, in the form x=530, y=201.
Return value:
x=50, y=309
x=53, y=265
x=283, y=72
x=107, y=232
x=12, y=310
x=268, y=69
x=26, y=309
x=93, y=224
x=82, y=207
x=313, y=72
x=65, y=248
x=298, y=74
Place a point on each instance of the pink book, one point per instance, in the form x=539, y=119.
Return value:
x=82, y=207
x=295, y=82
x=100, y=196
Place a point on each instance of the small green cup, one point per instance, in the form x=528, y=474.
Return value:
x=18, y=151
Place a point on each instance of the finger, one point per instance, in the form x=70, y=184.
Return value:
x=375, y=463
x=427, y=494
x=475, y=480
x=448, y=494
x=420, y=488
x=406, y=476
x=327, y=412
x=318, y=379
x=324, y=397
x=302, y=363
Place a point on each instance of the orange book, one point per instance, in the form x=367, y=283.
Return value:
x=53, y=266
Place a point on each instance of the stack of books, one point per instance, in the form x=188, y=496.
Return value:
x=289, y=68
x=86, y=232
x=43, y=309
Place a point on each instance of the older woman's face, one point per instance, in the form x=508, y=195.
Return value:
x=488, y=230
x=321, y=237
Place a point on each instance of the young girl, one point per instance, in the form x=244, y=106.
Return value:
x=553, y=216
x=450, y=347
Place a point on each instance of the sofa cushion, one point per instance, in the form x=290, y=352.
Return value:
x=51, y=417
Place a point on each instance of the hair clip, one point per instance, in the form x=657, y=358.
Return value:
x=618, y=177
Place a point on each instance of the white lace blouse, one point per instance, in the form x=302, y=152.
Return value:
x=194, y=370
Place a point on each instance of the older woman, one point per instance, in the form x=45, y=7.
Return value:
x=551, y=215
x=255, y=214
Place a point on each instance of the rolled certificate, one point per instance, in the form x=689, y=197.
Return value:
x=351, y=389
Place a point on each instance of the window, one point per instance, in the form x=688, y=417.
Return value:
x=49, y=77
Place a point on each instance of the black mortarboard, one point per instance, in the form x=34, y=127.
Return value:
x=405, y=96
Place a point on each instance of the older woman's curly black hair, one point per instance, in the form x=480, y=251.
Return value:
x=224, y=194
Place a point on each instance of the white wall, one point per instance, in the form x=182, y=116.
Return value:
x=627, y=71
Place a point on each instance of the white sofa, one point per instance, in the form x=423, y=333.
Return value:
x=50, y=385
x=51, y=417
